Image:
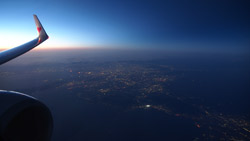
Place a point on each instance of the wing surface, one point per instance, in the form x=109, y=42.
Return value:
x=12, y=53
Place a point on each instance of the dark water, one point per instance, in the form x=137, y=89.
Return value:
x=137, y=95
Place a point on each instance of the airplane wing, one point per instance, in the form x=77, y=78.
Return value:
x=23, y=117
x=12, y=53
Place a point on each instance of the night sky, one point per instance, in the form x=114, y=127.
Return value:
x=182, y=25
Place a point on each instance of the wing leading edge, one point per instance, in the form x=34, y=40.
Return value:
x=12, y=53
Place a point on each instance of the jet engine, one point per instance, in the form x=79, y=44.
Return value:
x=23, y=118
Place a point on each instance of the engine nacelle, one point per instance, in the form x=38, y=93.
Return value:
x=23, y=117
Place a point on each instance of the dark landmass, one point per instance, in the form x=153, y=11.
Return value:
x=137, y=95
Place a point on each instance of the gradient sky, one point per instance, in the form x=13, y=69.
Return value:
x=199, y=24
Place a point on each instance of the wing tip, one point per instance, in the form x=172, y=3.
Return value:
x=42, y=34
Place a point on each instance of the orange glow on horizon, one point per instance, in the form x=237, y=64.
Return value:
x=67, y=48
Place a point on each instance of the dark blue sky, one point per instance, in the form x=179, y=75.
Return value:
x=196, y=24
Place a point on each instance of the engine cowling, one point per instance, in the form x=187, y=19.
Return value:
x=23, y=117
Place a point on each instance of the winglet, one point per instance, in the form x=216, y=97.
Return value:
x=41, y=32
